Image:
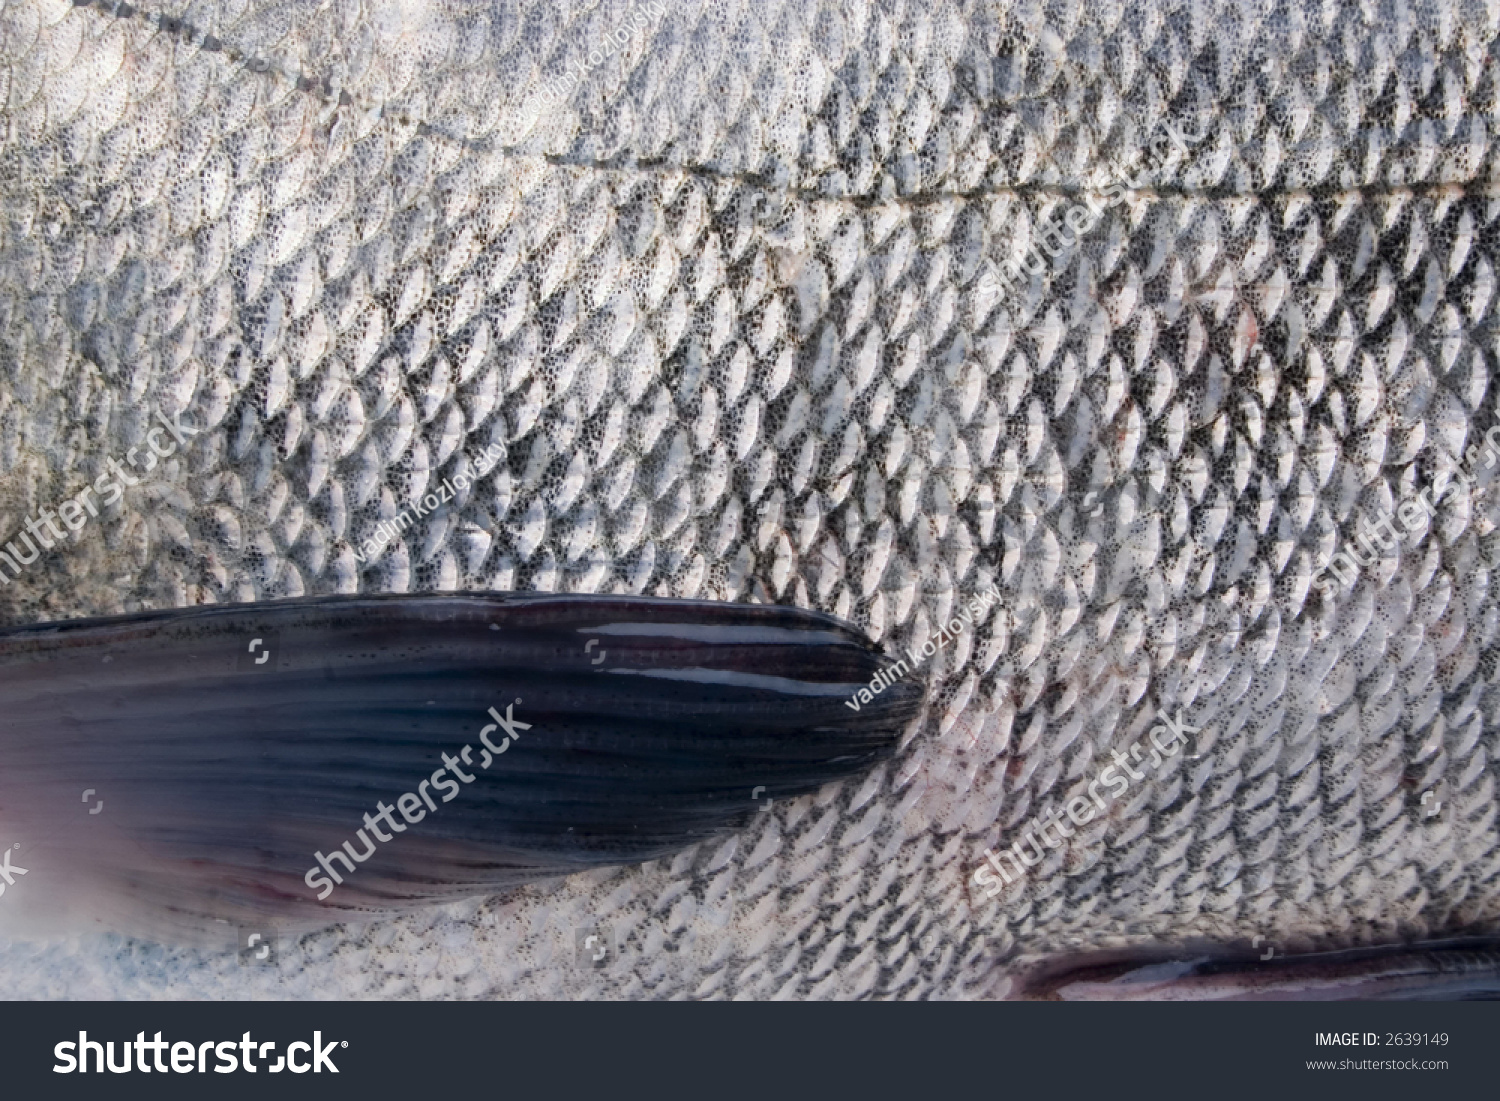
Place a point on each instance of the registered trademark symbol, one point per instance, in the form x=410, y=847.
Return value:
x=345, y=1043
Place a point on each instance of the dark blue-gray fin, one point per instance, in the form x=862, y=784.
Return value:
x=1459, y=969
x=236, y=748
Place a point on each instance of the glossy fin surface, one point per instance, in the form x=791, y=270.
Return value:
x=243, y=754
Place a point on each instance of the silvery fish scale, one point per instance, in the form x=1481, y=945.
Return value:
x=732, y=312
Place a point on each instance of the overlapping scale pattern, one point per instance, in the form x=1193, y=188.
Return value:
x=730, y=312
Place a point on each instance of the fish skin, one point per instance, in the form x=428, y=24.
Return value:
x=727, y=312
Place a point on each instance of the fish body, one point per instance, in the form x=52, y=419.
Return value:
x=791, y=299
